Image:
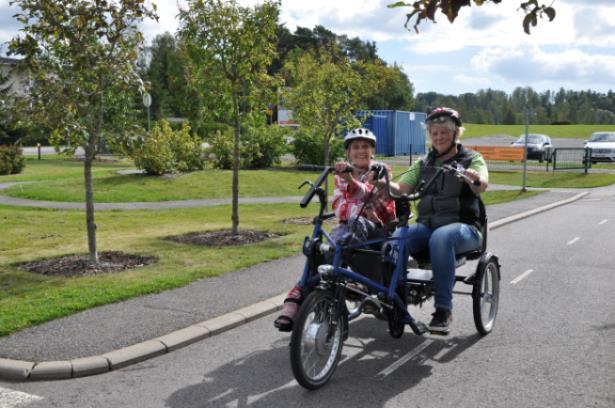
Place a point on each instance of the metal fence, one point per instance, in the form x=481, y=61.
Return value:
x=571, y=158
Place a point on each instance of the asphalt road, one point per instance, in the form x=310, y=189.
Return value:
x=553, y=344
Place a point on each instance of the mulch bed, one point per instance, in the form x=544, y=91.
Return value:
x=78, y=265
x=222, y=237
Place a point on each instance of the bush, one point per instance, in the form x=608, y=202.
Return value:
x=187, y=150
x=262, y=146
x=166, y=151
x=11, y=160
x=222, y=150
x=308, y=147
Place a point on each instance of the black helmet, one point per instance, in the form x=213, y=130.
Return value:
x=359, y=133
x=439, y=115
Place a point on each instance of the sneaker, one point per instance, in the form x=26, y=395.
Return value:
x=442, y=318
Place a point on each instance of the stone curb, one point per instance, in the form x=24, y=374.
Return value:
x=16, y=370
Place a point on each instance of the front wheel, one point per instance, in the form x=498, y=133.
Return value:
x=485, y=296
x=317, y=340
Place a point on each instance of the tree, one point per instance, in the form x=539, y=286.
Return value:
x=324, y=96
x=5, y=119
x=426, y=9
x=385, y=87
x=81, y=55
x=165, y=76
x=234, y=46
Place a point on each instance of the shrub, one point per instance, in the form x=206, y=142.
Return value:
x=262, y=146
x=222, y=150
x=187, y=150
x=11, y=160
x=308, y=147
x=166, y=151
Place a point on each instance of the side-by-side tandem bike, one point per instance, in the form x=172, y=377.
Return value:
x=345, y=278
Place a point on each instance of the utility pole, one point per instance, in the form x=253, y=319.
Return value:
x=527, y=119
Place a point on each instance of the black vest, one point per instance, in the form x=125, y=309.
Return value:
x=448, y=199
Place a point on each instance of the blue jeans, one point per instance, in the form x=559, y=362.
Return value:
x=444, y=243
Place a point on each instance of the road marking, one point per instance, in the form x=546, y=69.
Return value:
x=523, y=275
x=573, y=240
x=403, y=360
x=604, y=221
x=12, y=399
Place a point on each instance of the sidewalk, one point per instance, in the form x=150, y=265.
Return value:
x=207, y=307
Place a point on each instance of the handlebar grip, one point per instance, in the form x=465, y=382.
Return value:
x=312, y=191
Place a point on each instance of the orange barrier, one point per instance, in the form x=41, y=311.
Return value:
x=503, y=153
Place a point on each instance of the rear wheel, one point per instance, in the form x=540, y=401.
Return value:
x=317, y=340
x=485, y=296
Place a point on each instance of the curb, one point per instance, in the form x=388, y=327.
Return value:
x=17, y=370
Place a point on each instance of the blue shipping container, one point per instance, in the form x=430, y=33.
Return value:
x=398, y=133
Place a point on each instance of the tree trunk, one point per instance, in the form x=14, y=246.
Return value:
x=236, y=158
x=89, y=205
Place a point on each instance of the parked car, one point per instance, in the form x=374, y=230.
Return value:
x=602, y=145
x=539, y=147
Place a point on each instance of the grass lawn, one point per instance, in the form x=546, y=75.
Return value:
x=63, y=181
x=26, y=234
x=553, y=179
x=555, y=131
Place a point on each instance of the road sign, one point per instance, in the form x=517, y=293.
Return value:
x=147, y=100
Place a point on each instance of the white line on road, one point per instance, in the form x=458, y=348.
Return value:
x=11, y=399
x=604, y=221
x=403, y=360
x=523, y=275
x=573, y=240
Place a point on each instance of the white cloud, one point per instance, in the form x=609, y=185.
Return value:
x=572, y=67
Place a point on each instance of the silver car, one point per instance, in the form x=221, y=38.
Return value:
x=539, y=147
x=603, y=146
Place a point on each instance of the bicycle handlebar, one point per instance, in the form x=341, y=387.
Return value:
x=314, y=187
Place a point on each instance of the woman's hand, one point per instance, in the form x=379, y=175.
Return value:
x=478, y=185
x=371, y=215
x=339, y=169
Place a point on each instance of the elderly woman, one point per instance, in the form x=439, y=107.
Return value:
x=360, y=208
x=449, y=217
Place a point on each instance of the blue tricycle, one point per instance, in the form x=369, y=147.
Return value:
x=345, y=279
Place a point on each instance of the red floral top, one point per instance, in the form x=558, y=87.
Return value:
x=348, y=199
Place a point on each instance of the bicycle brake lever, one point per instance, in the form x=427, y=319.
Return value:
x=304, y=183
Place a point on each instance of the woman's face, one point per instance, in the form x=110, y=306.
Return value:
x=360, y=153
x=441, y=137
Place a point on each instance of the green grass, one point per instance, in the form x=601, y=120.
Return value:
x=553, y=179
x=63, y=181
x=555, y=131
x=55, y=167
x=27, y=234
x=109, y=187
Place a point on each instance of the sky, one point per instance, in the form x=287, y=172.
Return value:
x=486, y=46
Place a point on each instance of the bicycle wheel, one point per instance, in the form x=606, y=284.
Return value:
x=316, y=344
x=485, y=296
x=396, y=324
